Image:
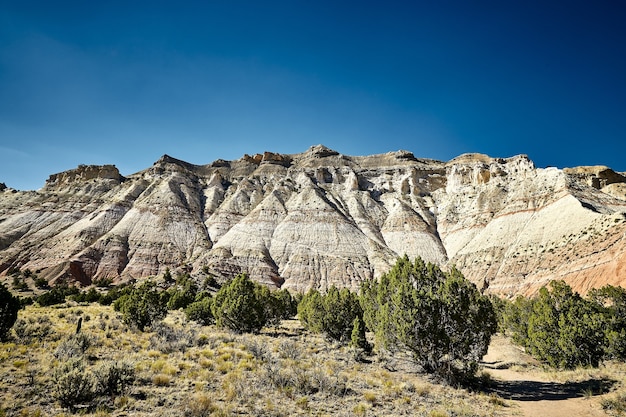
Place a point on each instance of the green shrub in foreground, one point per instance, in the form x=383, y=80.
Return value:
x=9, y=306
x=142, y=306
x=565, y=330
x=440, y=318
x=239, y=306
x=332, y=313
x=200, y=311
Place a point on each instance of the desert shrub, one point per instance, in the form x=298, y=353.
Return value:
x=278, y=305
x=357, y=337
x=168, y=339
x=103, y=282
x=301, y=379
x=239, y=306
x=19, y=284
x=41, y=283
x=332, y=313
x=9, y=306
x=183, y=294
x=615, y=405
x=167, y=276
x=565, y=330
x=74, y=384
x=56, y=295
x=258, y=348
x=142, y=306
x=114, y=293
x=113, y=378
x=612, y=303
x=209, y=281
x=200, y=311
x=89, y=296
x=28, y=331
x=439, y=317
x=200, y=405
x=73, y=346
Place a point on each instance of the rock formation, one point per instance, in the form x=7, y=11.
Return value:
x=320, y=218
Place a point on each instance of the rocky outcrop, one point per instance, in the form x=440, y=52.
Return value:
x=320, y=218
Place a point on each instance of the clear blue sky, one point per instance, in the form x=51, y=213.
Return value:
x=124, y=82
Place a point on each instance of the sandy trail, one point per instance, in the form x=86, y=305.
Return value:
x=531, y=393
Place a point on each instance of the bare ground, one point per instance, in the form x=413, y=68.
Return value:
x=533, y=391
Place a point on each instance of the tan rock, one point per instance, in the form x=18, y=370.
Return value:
x=320, y=218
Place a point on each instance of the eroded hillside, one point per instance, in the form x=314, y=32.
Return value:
x=320, y=218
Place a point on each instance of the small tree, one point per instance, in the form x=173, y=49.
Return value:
x=238, y=306
x=183, y=294
x=515, y=319
x=358, y=339
x=286, y=306
x=57, y=294
x=611, y=301
x=200, y=310
x=9, y=306
x=142, y=306
x=440, y=318
x=564, y=329
x=167, y=276
x=332, y=313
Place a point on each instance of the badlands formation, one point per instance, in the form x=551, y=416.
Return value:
x=320, y=218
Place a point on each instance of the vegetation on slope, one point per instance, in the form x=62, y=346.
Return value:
x=564, y=330
x=179, y=367
x=175, y=345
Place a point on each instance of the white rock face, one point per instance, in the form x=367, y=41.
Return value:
x=319, y=218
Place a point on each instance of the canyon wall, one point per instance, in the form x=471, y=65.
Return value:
x=320, y=218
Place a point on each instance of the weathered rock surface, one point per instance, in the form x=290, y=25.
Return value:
x=320, y=218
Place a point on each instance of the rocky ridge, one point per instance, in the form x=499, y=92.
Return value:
x=320, y=218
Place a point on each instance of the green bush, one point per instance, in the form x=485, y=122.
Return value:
x=142, y=306
x=56, y=295
x=74, y=383
x=332, y=313
x=209, y=281
x=103, y=282
x=90, y=296
x=561, y=328
x=440, y=318
x=9, y=306
x=279, y=305
x=114, y=293
x=612, y=302
x=239, y=306
x=564, y=329
x=113, y=378
x=357, y=338
x=200, y=311
x=183, y=294
x=41, y=283
x=19, y=284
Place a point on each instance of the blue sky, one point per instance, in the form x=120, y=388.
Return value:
x=126, y=82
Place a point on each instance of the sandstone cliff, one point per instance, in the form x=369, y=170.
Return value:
x=320, y=218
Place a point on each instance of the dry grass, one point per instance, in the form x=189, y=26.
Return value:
x=184, y=368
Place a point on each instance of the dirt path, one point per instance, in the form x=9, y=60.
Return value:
x=533, y=393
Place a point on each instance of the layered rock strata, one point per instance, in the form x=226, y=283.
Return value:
x=320, y=218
